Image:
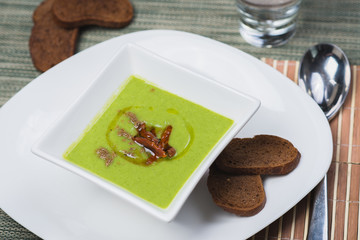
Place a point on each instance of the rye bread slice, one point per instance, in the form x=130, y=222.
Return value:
x=262, y=154
x=104, y=13
x=242, y=195
x=49, y=43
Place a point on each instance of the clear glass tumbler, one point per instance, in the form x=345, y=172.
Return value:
x=267, y=23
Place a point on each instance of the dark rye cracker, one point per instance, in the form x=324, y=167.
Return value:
x=242, y=195
x=262, y=154
x=49, y=43
x=104, y=13
x=234, y=180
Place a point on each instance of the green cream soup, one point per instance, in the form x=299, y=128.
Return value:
x=148, y=141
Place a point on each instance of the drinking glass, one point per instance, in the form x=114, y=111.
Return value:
x=267, y=23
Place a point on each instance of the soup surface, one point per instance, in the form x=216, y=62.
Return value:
x=109, y=147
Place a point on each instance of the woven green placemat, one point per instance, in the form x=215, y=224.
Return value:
x=332, y=21
x=9, y=229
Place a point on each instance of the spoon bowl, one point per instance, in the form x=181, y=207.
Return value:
x=325, y=75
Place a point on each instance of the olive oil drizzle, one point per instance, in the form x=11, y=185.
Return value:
x=132, y=157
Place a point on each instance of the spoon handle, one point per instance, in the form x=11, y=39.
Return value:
x=319, y=219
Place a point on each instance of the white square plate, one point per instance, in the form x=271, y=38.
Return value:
x=134, y=60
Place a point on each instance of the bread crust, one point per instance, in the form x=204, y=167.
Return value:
x=243, y=195
x=262, y=154
x=234, y=180
x=49, y=43
x=77, y=13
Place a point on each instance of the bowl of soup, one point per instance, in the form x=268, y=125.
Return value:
x=146, y=129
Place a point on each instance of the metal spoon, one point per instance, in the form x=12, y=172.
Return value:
x=325, y=75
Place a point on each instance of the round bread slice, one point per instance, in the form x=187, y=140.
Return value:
x=242, y=195
x=262, y=154
x=104, y=13
x=50, y=44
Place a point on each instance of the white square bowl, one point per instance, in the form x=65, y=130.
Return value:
x=130, y=60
